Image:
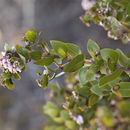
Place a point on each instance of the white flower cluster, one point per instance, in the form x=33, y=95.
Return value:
x=79, y=119
x=75, y=95
x=7, y=65
x=87, y=4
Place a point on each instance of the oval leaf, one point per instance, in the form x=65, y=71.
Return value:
x=124, y=89
x=45, y=61
x=93, y=48
x=108, y=78
x=123, y=59
x=75, y=64
x=36, y=55
x=44, y=81
x=60, y=48
x=72, y=49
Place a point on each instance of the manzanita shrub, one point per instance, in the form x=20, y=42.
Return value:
x=112, y=15
x=97, y=90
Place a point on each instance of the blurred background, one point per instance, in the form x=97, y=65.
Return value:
x=21, y=109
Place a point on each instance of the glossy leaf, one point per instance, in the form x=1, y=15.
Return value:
x=109, y=53
x=101, y=91
x=86, y=75
x=9, y=84
x=72, y=49
x=93, y=48
x=44, y=81
x=6, y=75
x=123, y=59
x=36, y=55
x=108, y=78
x=111, y=57
x=60, y=48
x=24, y=52
x=124, y=89
x=45, y=61
x=75, y=64
x=17, y=76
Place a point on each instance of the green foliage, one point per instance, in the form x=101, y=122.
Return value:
x=93, y=48
x=60, y=48
x=97, y=90
x=108, y=78
x=112, y=15
x=75, y=64
x=31, y=36
x=45, y=61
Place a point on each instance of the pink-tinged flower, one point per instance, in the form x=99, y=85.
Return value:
x=10, y=68
x=87, y=4
x=13, y=49
x=26, y=43
x=18, y=69
x=79, y=120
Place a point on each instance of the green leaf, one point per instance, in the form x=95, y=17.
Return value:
x=6, y=75
x=64, y=115
x=7, y=47
x=46, y=45
x=122, y=3
x=86, y=17
x=70, y=124
x=44, y=81
x=108, y=78
x=128, y=9
x=52, y=112
x=84, y=91
x=97, y=65
x=111, y=57
x=36, y=55
x=123, y=59
x=93, y=48
x=104, y=91
x=93, y=99
x=124, y=89
x=22, y=61
x=109, y=53
x=124, y=107
x=73, y=50
x=60, y=48
x=75, y=64
x=58, y=120
x=58, y=60
x=17, y=76
x=31, y=36
x=51, y=109
x=53, y=87
x=86, y=75
x=50, y=105
x=46, y=61
x=9, y=84
x=82, y=75
x=22, y=51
